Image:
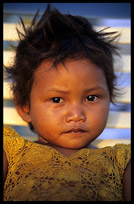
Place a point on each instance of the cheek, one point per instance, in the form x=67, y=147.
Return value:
x=97, y=121
x=45, y=118
x=99, y=116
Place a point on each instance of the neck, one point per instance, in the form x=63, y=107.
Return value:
x=65, y=151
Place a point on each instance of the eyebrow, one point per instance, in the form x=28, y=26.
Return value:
x=96, y=88
x=58, y=91
x=86, y=90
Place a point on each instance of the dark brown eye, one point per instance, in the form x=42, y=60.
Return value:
x=91, y=98
x=56, y=100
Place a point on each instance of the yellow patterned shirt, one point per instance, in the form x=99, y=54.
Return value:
x=38, y=172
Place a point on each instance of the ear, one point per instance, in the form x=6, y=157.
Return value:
x=24, y=112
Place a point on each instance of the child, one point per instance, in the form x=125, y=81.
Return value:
x=63, y=83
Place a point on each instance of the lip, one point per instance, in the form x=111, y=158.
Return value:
x=76, y=130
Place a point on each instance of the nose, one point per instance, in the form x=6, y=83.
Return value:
x=75, y=114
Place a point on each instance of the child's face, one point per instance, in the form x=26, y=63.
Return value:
x=69, y=107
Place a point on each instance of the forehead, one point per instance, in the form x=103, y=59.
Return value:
x=82, y=70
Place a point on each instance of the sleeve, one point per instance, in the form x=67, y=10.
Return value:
x=122, y=156
x=13, y=143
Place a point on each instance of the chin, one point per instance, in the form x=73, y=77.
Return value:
x=75, y=145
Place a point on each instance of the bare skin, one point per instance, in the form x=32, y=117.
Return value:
x=127, y=182
x=68, y=107
x=69, y=100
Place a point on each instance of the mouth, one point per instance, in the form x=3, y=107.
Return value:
x=76, y=130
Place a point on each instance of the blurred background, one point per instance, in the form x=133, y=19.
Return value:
x=117, y=16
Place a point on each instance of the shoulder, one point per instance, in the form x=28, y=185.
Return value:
x=119, y=155
x=120, y=151
x=12, y=142
x=10, y=135
x=10, y=132
x=123, y=154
